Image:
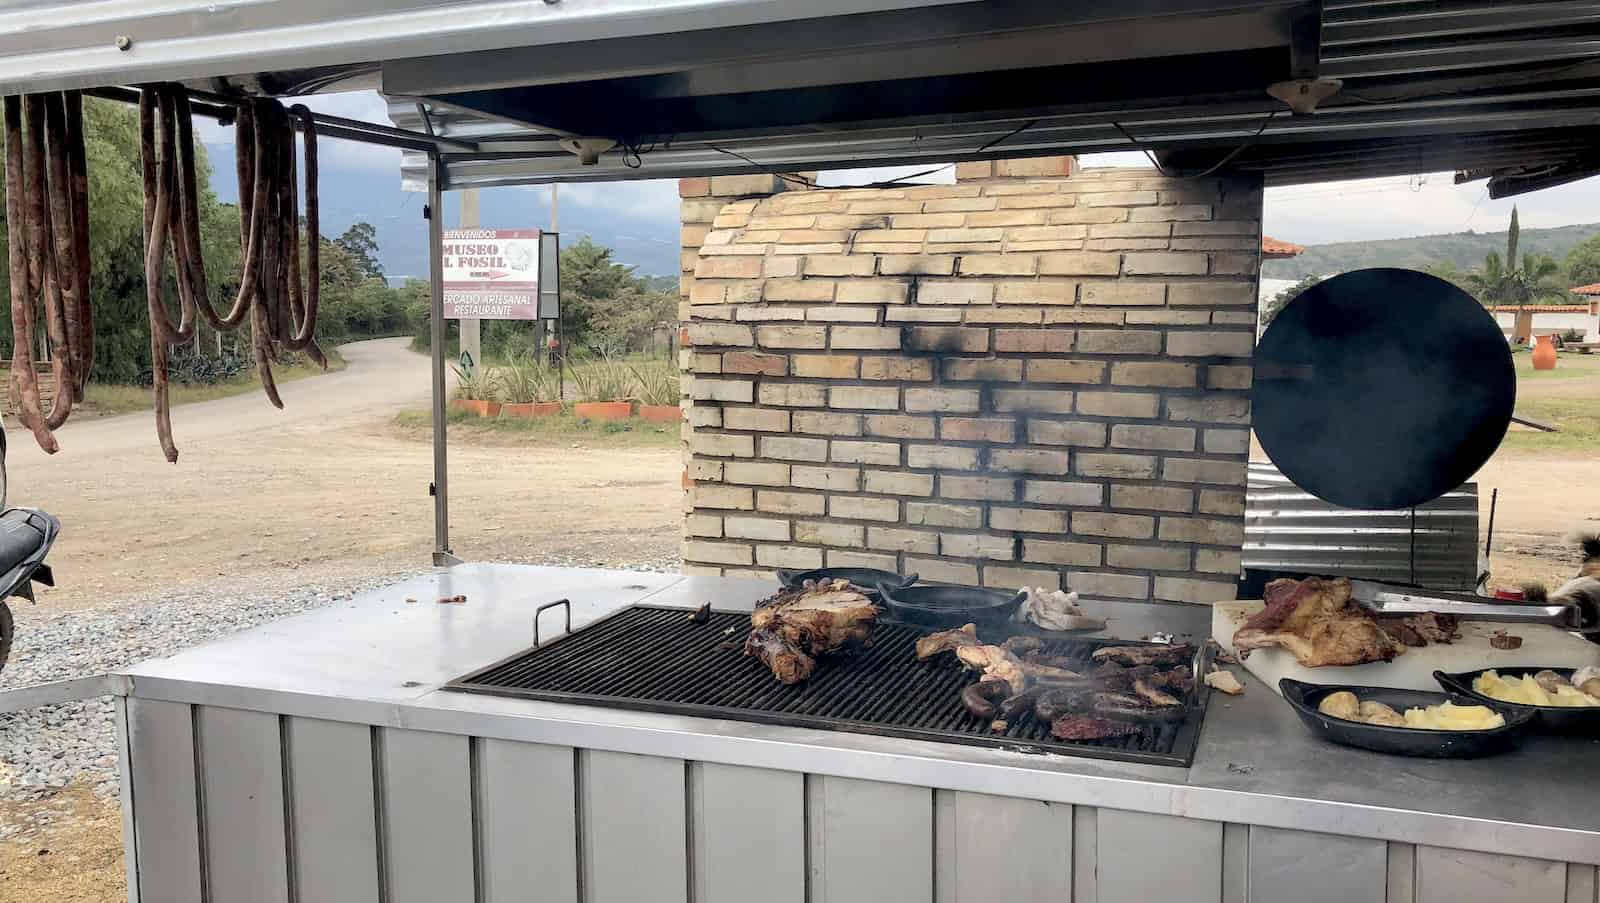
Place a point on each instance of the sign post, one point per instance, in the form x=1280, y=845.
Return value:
x=491, y=274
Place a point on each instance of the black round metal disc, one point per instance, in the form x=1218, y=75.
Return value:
x=1382, y=389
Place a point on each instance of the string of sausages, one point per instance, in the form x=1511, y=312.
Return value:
x=47, y=210
x=47, y=194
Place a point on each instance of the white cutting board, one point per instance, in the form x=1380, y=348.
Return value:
x=1542, y=644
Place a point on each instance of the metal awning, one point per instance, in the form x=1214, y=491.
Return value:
x=1503, y=90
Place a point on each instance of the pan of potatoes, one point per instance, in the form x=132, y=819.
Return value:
x=1405, y=722
x=1561, y=700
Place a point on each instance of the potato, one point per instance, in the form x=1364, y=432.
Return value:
x=1378, y=713
x=1342, y=704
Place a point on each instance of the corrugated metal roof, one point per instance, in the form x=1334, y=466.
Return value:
x=1288, y=529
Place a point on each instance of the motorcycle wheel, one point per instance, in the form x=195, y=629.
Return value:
x=7, y=628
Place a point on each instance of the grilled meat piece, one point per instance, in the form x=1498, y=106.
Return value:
x=1049, y=674
x=789, y=631
x=1224, y=681
x=1081, y=727
x=1134, y=707
x=1023, y=645
x=1154, y=696
x=982, y=699
x=788, y=664
x=946, y=640
x=995, y=663
x=1421, y=629
x=1052, y=704
x=1157, y=655
x=1016, y=705
x=1314, y=620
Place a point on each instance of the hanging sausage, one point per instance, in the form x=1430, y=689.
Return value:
x=47, y=205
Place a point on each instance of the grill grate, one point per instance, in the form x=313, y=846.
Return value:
x=654, y=659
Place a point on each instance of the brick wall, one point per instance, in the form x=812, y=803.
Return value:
x=1017, y=379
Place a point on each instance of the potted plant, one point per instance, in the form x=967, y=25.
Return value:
x=475, y=389
x=657, y=389
x=603, y=389
x=531, y=389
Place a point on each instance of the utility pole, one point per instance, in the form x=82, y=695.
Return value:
x=471, y=329
x=541, y=327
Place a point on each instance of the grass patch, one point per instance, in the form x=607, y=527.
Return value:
x=103, y=399
x=564, y=429
x=1567, y=397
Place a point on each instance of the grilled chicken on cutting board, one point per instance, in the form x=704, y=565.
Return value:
x=1464, y=647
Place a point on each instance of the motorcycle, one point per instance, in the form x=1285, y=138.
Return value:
x=26, y=535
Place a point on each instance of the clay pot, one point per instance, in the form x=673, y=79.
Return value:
x=531, y=409
x=603, y=410
x=1544, y=353
x=661, y=413
x=477, y=406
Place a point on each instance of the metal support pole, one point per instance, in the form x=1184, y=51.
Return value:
x=442, y=556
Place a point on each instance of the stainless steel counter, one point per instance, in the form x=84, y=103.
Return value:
x=379, y=659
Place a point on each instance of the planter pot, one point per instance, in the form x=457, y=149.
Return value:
x=531, y=409
x=477, y=406
x=1544, y=353
x=603, y=410
x=661, y=413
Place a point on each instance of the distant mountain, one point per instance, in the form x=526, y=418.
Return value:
x=646, y=239
x=1464, y=249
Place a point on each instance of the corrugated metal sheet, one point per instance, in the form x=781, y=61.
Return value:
x=1288, y=529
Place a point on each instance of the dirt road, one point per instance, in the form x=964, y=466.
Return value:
x=325, y=482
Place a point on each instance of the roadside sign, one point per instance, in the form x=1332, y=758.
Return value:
x=491, y=274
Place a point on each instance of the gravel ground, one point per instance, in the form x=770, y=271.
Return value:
x=46, y=749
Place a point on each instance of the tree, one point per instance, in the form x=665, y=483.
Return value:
x=1517, y=281
x=1278, y=302
x=1583, y=263
x=360, y=241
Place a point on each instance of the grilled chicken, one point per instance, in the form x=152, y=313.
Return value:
x=995, y=663
x=796, y=626
x=1314, y=620
x=946, y=640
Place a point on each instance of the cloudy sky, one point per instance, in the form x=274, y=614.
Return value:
x=1307, y=214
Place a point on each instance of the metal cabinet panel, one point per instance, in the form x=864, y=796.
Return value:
x=1158, y=857
x=427, y=816
x=331, y=810
x=1315, y=868
x=1085, y=854
x=167, y=817
x=749, y=835
x=1002, y=848
x=870, y=842
x=635, y=836
x=527, y=822
x=1581, y=880
x=1460, y=876
x=1402, y=882
x=1235, y=863
x=241, y=779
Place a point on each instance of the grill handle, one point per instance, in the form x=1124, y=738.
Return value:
x=566, y=606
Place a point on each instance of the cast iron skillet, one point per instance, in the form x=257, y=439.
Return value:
x=865, y=580
x=1382, y=389
x=1549, y=719
x=949, y=606
x=1401, y=741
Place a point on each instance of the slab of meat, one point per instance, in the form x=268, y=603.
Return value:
x=946, y=640
x=1161, y=656
x=1084, y=727
x=1315, y=621
x=796, y=626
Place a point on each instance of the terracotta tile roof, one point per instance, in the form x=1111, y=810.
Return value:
x=1586, y=289
x=1273, y=249
x=1543, y=308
